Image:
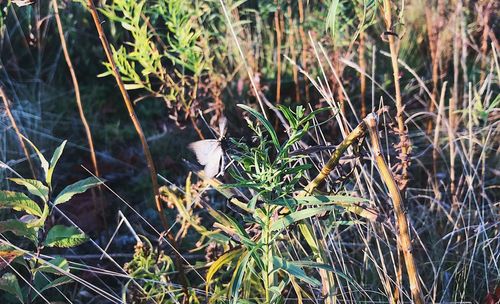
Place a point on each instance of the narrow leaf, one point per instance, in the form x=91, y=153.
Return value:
x=264, y=122
x=221, y=261
x=76, y=188
x=64, y=236
x=237, y=278
x=54, y=160
x=294, y=270
x=291, y=218
x=44, y=163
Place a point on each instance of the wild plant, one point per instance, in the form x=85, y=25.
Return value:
x=36, y=232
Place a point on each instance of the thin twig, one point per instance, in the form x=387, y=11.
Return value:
x=6, y=103
x=99, y=208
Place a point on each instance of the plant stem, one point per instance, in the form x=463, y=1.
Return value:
x=356, y=134
x=404, y=142
x=6, y=103
x=145, y=146
x=404, y=239
x=131, y=112
x=362, y=65
x=304, y=41
x=99, y=211
x=278, y=52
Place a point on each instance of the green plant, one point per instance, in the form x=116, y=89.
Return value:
x=167, y=60
x=34, y=226
x=259, y=242
x=153, y=268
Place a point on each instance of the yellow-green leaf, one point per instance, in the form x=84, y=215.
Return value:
x=221, y=261
x=34, y=187
x=19, y=202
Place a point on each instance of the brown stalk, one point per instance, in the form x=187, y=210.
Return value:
x=98, y=207
x=76, y=87
x=291, y=41
x=356, y=134
x=303, y=40
x=145, y=146
x=404, y=143
x=6, y=103
x=433, y=36
x=485, y=12
x=131, y=111
x=362, y=65
x=404, y=239
x=453, y=105
x=306, y=230
x=278, y=51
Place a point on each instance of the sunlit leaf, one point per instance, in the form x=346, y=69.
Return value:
x=291, y=218
x=44, y=163
x=53, y=266
x=76, y=188
x=64, y=236
x=54, y=160
x=8, y=254
x=294, y=270
x=221, y=261
x=34, y=187
x=57, y=282
x=40, y=221
x=264, y=122
x=19, y=202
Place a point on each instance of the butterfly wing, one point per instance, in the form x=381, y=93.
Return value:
x=222, y=126
x=212, y=168
x=204, y=150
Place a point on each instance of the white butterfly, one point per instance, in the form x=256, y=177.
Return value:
x=210, y=152
x=21, y=3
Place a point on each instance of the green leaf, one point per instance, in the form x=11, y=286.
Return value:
x=64, y=236
x=34, y=187
x=133, y=86
x=55, y=283
x=318, y=200
x=44, y=163
x=264, y=122
x=238, y=275
x=9, y=283
x=221, y=261
x=41, y=221
x=76, y=188
x=291, y=218
x=54, y=160
x=49, y=266
x=19, y=228
x=19, y=202
x=295, y=270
